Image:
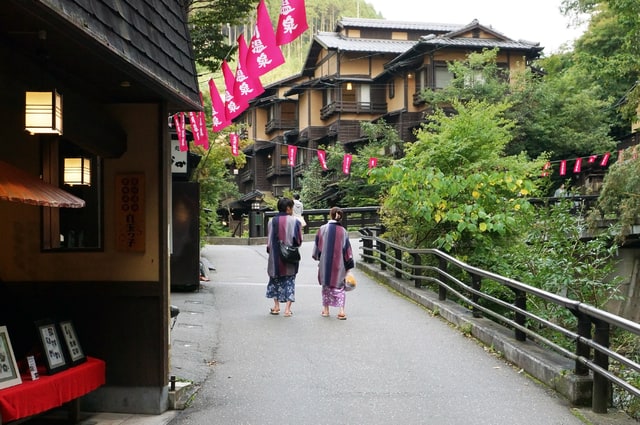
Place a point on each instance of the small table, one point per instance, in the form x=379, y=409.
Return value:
x=51, y=391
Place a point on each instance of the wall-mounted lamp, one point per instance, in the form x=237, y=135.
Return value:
x=349, y=86
x=255, y=205
x=77, y=171
x=43, y=112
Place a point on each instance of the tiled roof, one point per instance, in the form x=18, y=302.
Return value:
x=489, y=43
x=397, y=25
x=331, y=40
x=149, y=35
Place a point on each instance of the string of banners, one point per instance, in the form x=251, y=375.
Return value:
x=261, y=55
x=602, y=160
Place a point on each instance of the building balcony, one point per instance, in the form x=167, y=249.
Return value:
x=280, y=124
x=370, y=108
x=279, y=170
x=246, y=176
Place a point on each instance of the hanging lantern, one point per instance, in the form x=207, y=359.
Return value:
x=43, y=112
x=77, y=171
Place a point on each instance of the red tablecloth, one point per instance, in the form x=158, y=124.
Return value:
x=50, y=391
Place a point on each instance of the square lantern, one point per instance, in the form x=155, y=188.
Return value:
x=43, y=112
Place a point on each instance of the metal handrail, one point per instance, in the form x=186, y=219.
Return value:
x=590, y=320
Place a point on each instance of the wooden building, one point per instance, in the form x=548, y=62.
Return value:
x=121, y=69
x=365, y=70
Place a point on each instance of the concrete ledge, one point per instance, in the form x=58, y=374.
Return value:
x=142, y=400
x=180, y=396
x=547, y=366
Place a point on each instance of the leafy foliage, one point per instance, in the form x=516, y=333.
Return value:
x=619, y=199
x=207, y=21
x=454, y=190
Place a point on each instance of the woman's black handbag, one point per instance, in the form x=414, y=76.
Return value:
x=289, y=254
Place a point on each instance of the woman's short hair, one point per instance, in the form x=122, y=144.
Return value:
x=283, y=203
x=336, y=214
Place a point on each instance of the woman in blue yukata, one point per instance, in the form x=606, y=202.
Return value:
x=333, y=250
x=282, y=275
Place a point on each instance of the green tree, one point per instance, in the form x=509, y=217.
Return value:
x=609, y=52
x=455, y=189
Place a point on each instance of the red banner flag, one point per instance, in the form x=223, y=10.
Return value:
x=195, y=129
x=563, y=167
x=217, y=108
x=202, y=126
x=605, y=159
x=292, y=22
x=293, y=151
x=235, y=142
x=373, y=162
x=577, y=166
x=247, y=86
x=322, y=157
x=346, y=163
x=182, y=136
x=592, y=159
x=264, y=54
x=231, y=107
x=546, y=166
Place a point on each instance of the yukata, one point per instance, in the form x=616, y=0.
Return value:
x=282, y=275
x=333, y=251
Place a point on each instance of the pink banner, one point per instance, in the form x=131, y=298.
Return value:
x=563, y=167
x=322, y=157
x=247, y=86
x=292, y=22
x=592, y=159
x=217, y=108
x=180, y=131
x=235, y=142
x=577, y=166
x=202, y=126
x=231, y=107
x=605, y=159
x=346, y=163
x=545, y=173
x=195, y=129
x=373, y=162
x=293, y=151
x=264, y=54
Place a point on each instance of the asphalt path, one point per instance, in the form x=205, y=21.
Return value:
x=390, y=362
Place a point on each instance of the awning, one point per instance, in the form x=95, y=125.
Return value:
x=19, y=186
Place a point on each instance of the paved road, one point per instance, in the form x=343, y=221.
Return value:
x=391, y=362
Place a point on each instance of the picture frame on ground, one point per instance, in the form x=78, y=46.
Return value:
x=71, y=342
x=52, y=348
x=9, y=373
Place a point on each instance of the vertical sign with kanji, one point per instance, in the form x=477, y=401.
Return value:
x=130, y=212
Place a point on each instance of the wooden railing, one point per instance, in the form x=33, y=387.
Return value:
x=353, y=107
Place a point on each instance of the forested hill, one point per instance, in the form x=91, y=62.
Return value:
x=322, y=15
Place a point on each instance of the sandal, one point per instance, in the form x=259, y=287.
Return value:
x=323, y=314
x=342, y=316
x=288, y=314
x=274, y=311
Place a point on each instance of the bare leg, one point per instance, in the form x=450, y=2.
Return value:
x=276, y=306
x=287, y=309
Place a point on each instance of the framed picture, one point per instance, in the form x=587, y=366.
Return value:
x=71, y=343
x=9, y=373
x=52, y=348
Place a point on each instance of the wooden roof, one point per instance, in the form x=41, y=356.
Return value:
x=118, y=50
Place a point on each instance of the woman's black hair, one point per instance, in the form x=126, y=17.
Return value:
x=283, y=203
